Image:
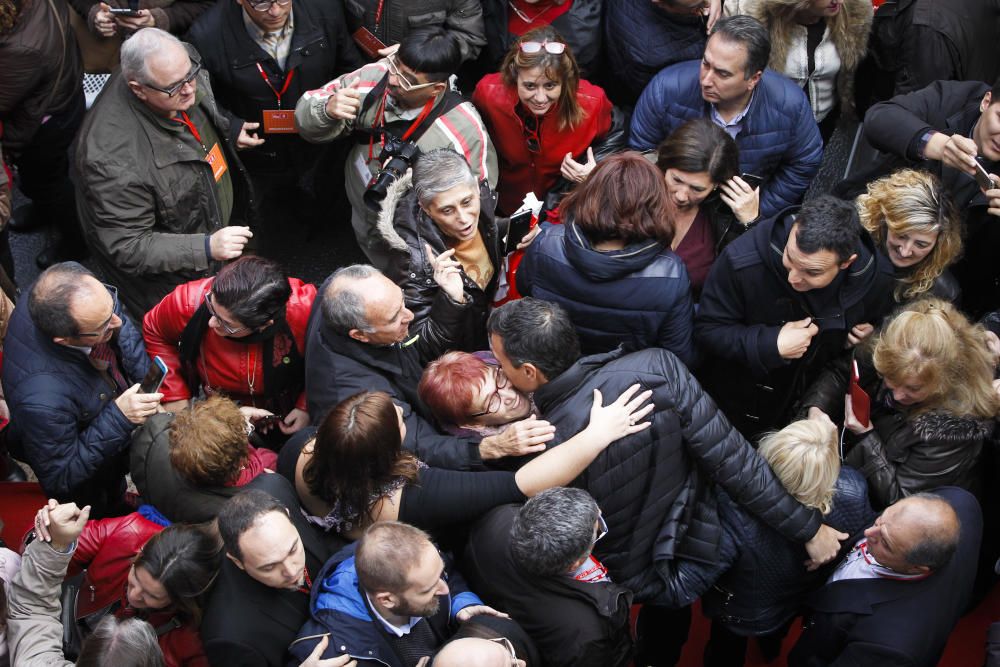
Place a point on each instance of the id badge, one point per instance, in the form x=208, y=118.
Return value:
x=280, y=121
x=217, y=162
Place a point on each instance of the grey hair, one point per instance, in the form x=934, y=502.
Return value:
x=438, y=171
x=137, y=49
x=343, y=307
x=554, y=530
x=750, y=33
x=129, y=642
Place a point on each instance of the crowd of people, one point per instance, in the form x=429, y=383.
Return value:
x=605, y=353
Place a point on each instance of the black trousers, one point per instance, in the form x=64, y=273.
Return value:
x=660, y=635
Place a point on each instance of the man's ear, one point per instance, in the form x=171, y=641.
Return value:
x=987, y=100
x=358, y=335
x=236, y=561
x=440, y=87
x=850, y=260
x=386, y=600
x=754, y=80
x=136, y=89
x=59, y=340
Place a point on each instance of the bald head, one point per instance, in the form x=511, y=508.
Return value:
x=474, y=652
x=917, y=535
x=149, y=46
x=58, y=294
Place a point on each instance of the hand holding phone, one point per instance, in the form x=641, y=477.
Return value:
x=983, y=177
x=125, y=12
x=154, y=377
x=520, y=225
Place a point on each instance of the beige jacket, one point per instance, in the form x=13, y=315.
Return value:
x=34, y=631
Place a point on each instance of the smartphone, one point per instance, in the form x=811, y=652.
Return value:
x=983, y=177
x=126, y=12
x=860, y=401
x=368, y=42
x=520, y=225
x=154, y=377
x=753, y=180
x=270, y=420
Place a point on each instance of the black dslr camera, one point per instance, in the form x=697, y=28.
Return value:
x=396, y=157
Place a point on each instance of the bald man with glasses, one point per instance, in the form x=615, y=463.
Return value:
x=163, y=198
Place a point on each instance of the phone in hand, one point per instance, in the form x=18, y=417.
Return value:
x=861, y=403
x=154, y=377
x=125, y=12
x=753, y=180
x=520, y=225
x=983, y=177
x=368, y=42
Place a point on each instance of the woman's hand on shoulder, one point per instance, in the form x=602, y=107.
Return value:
x=623, y=416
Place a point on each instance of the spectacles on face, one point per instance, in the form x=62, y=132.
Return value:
x=494, y=402
x=602, y=529
x=265, y=5
x=503, y=641
x=404, y=82
x=225, y=325
x=531, y=135
x=107, y=323
x=176, y=88
x=531, y=47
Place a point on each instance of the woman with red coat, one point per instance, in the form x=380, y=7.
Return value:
x=240, y=334
x=136, y=567
x=542, y=117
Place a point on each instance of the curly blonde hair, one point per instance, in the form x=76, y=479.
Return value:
x=930, y=341
x=804, y=457
x=910, y=201
x=208, y=442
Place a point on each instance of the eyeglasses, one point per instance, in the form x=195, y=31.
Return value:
x=176, y=88
x=555, y=48
x=404, y=83
x=225, y=325
x=265, y=5
x=602, y=529
x=531, y=134
x=494, y=402
x=503, y=641
x=107, y=323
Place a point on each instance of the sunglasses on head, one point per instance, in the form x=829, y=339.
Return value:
x=555, y=48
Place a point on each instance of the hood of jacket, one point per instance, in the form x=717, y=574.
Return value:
x=860, y=275
x=944, y=427
x=602, y=266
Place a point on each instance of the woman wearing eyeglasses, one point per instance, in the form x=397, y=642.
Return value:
x=353, y=471
x=240, y=334
x=543, y=118
x=133, y=566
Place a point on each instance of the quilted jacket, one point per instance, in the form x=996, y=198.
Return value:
x=652, y=486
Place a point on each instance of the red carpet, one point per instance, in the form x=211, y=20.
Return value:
x=966, y=648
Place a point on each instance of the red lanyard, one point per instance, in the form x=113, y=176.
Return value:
x=308, y=585
x=380, y=117
x=277, y=93
x=184, y=120
x=378, y=14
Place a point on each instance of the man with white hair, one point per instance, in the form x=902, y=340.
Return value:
x=160, y=183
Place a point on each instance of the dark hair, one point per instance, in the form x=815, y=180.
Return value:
x=995, y=92
x=126, y=642
x=828, y=223
x=253, y=290
x=561, y=68
x=536, y=332
x=51, y=296
x=700, y=145
x=624, y=198
x=386, y=553
x=554, y=530
x=241, y=512
x=433, y=52
x=184, y=559
x=357, y=454
x=752, y=35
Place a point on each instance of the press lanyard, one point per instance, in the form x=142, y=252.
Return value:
x=277, y=93
x=308, y=582
x=380, y=120
x=378, y=14
x=185, y=120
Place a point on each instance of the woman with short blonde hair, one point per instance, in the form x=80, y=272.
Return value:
x=804, y=457
x=912, y=219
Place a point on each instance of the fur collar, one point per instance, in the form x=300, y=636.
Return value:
x=945, y=427
x=386, y=218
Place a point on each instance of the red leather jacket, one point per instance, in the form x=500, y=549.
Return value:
x=106, y=549
x=522, y=171
x=226, y=363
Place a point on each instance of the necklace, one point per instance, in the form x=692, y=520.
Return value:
x=524, y=17
x=251, y=369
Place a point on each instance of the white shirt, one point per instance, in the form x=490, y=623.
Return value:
x=398, y=630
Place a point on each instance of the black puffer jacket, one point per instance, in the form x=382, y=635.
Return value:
x=903, y=454
x=405, y=229
x=758, y=581
x=651, y=486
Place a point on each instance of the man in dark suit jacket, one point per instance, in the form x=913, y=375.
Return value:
x=900, y=590
x=261, y=596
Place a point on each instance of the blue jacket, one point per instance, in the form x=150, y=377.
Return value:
x=639, y=295
x=338, y=607
x=641, y=39
x=64, y=419
x=779, y=141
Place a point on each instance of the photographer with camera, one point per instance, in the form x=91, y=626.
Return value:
x=396, y=108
